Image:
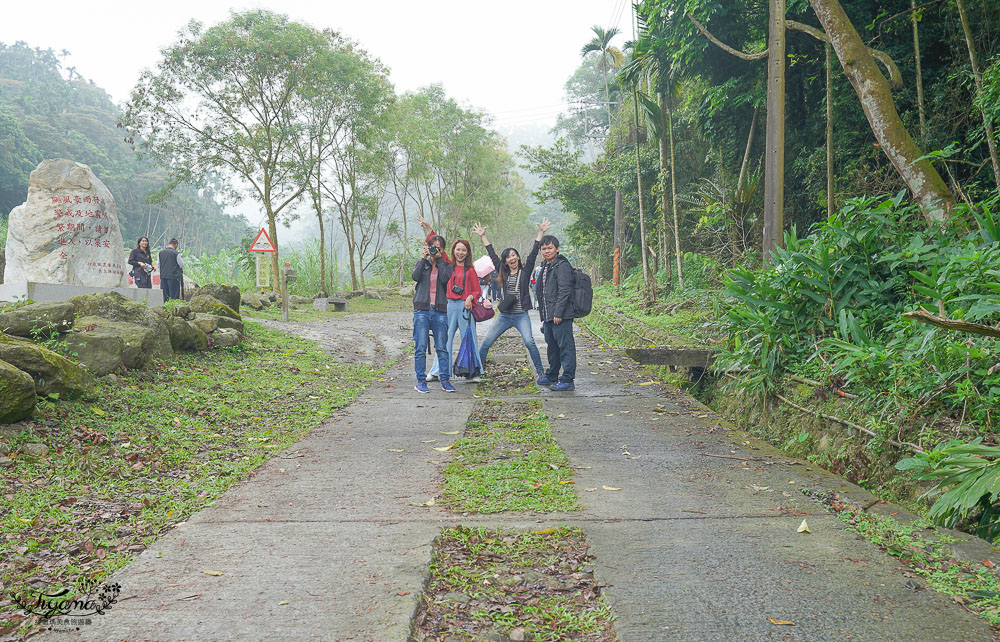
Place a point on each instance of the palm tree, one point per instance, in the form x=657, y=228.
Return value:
x=610, y=58
x=651, y=60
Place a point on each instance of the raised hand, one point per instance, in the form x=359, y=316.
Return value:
x=544, y=226
x=424, y=224
x=478, y=229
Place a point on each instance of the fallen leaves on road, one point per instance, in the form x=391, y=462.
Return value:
x=212, y=572
x=610, y=488
x=444, y=449
x=780, y=622
x=803, y=527
x=397, y=450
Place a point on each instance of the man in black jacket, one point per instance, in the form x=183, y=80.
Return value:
x=430, y=312
x=170, y=271
x=555, y=306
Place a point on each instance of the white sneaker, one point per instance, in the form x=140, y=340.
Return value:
x=432, y=377
x=475, y=380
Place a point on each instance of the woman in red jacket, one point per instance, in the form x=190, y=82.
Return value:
x=462, y=291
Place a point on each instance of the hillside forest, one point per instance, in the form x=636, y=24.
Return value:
x=808, y=188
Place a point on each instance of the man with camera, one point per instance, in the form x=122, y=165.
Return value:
x=430, y=312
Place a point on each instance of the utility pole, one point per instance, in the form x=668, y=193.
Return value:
x=774, y=154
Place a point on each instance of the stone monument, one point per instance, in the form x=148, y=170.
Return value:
x=66, y=234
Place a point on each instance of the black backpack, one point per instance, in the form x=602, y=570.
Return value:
x=583, y=293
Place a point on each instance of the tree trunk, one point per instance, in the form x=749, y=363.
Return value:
x=673, y=192
x=743, y=199
x=648, y=284
x=920, y=75
x=973, y=60
x=874, y=93
x=829, y=130
x=664, y=184
x=774, y=155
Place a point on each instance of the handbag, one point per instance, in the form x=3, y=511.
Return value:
x=508, y=302
x=482, y=310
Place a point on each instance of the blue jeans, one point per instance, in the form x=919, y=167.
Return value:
x=456, y=323
x=504, y=322
x=425, y=321
x=561, y=350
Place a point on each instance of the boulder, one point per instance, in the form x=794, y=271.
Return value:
x=17, y=394
x=185, y=335
x=67, y=230
x=226, y=338
x=228, y=294
x=51, y=372
x=205, y=304
x=253, y=300
x=208, y=323
x=103, y=345
x=42, y=318
x=295, y=299
x=406, y=290
x=112, y=306
x=375, y=294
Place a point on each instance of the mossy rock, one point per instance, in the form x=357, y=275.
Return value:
x=42, y=318
x=227, y=294
x=17, y=394
x=226, y=338
x=52, y=372
x=185, y=335
x=206, y=304
x=209, y=323
x=114, y=307
x=103, y=344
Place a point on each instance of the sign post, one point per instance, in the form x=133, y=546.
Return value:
x=263, y=245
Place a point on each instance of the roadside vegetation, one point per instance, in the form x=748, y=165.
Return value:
x=95, y=481
x=504, y=584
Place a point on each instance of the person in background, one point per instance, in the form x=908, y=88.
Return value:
x=555, y=307
x=462, y=291
x=142, y=264
x=171, y=274
x=515, y=296
x=495, y=286
x=430, y=312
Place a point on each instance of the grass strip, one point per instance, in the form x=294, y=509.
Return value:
x=143, y=454
x=503, y=584
x=508, y=379
x=925, y=551
x=508, y=461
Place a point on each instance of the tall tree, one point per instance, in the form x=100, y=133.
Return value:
x=610, y=58
x=228, y=99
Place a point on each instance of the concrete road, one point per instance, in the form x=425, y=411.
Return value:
x=329, y=540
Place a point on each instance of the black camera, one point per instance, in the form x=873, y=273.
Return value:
x=456, y=289
x=433, y=250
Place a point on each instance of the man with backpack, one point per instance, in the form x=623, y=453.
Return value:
x=556, y=308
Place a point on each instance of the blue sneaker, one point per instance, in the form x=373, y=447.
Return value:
x=544, y=381
x=562, y=386
x=421, y=386
x=446, y=386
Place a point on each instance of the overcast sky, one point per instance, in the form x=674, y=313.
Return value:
x=508, y=58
